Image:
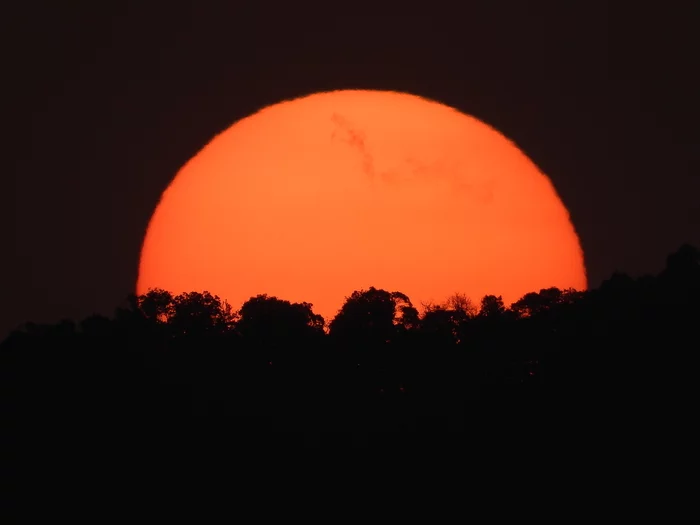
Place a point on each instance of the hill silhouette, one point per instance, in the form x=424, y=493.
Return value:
x=379, y=366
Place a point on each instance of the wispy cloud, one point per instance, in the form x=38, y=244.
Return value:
x=345, y=132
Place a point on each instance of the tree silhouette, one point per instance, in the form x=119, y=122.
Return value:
x=406, y=316
x=380, y=366
x=441, y=325
x=196, y=314
x=272, y=321
x=684, y=262
x=156, y=305
x=447, y=323
x=539, y=303
x=492, y=307
x=371, y=316
x=461, y=305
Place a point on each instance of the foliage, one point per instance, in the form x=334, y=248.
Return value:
x=192, y=352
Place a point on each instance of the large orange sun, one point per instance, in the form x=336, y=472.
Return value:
x=312, y=198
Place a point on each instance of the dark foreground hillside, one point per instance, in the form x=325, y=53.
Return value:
x=276, y=372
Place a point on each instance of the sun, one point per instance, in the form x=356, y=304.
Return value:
x=312, y=198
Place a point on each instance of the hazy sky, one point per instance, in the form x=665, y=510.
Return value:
x=106, y=101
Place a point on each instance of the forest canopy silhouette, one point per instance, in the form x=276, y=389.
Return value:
x=382, y=363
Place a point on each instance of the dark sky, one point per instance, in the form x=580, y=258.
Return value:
x=104, y=101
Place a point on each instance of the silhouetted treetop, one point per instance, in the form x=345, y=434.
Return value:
x=197, y=313
x=544, y=301
x=379, y=361
x=683, y=267
x=492, y=306
x=269, y=319
x=373, y=316
x=156, y=305
x=189, y=314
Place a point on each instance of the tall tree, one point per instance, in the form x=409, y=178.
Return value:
x=266, y=319
x=492, y=307
x=373, y=316
x=196, y=314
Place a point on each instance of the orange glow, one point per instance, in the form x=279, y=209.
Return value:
x=310, y=199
